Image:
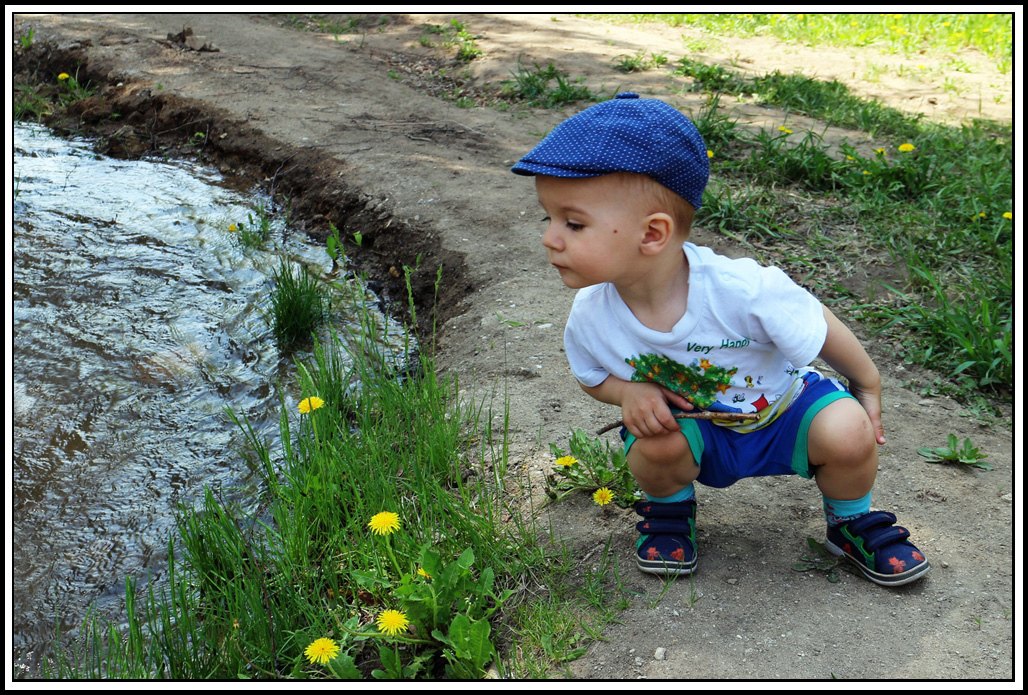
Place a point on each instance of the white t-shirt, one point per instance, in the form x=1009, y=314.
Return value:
x=746, y=331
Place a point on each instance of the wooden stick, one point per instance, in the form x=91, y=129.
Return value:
x=700, y=415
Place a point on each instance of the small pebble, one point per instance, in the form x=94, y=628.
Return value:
x=659, y=653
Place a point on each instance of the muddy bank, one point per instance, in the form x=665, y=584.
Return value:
x=133, y=119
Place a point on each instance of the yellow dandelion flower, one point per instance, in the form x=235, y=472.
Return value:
x=63, y=76
x=981, y=214
x=423, y=573
x=880, y=150
x=384, y=523
x=321, y=650
x=849, y=157
x=311, y=404
x=906, y=147
x=784, y=130
x=235, y=623
x=567, y=461
x=603, y=496
x=865, y=172
x=710, y=154
x=1008, y=215
x=233, y=228
x=392, y=622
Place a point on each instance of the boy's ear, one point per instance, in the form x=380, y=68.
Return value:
x=659, y=230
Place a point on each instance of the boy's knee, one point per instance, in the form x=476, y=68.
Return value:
x=672, y=447
x=841, y=434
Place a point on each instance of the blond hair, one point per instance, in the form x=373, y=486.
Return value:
x=656, y=197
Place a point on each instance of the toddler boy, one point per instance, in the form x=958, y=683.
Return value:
x=661, y=326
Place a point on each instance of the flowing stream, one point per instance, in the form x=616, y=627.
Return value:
x=138, y=317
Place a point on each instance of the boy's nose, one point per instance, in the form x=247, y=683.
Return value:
x=551, y=237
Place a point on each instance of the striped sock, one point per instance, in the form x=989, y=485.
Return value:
x=839, y=511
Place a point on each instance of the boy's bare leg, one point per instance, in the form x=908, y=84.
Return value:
x=662, y=464
x=841, y=446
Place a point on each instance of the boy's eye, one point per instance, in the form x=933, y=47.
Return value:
x=573, y=226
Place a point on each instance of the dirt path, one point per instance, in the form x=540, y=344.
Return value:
x=348, y=128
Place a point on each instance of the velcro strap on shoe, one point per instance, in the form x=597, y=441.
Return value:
x=869, y=521
x=653, y=526
x=652, y=510
x=890, y=535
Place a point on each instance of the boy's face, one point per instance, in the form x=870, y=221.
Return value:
x=593, y=231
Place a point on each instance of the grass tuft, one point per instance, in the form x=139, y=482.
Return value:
x=298, y=307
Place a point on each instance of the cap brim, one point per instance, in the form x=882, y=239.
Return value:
x=532, y=168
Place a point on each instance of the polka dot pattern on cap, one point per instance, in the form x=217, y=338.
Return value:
x=625, y=134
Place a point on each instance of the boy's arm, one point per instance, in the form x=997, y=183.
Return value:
x=644, y=406
x=844, y=353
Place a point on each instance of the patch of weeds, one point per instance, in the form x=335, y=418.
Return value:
x=25, y=40
x=972, y=334
x=954, y=452
x=717, y=130
x=749, y=212
x=594, y=467
x=297, y=306
x=455, y=35
x=256, y=231
x=545, y=87
x=639, y=61
x=805, y=162
x=73, y=90
x=711, y=78
x=335, y=24
x=30, y=104
x=820, y=561
x=464, y=41
x=550, y=633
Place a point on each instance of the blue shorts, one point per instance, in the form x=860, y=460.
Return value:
x=726, y=456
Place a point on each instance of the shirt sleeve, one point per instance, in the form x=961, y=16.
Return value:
x=789, y=316
x=584, y=366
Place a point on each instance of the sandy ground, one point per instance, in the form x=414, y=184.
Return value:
x=349, y=128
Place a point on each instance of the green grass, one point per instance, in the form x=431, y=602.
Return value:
x=298, y=306
x=253, y=233
x=48, y=94
x=250, y=589
x=905, y=34
x=546, y=87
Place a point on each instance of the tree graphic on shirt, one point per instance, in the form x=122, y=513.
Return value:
x=699, y=383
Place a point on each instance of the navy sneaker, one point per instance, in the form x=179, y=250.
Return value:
x=879, y=549
x=667, y=537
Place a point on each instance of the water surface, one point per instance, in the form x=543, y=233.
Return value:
x=137, y=319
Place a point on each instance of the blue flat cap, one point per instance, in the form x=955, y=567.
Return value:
x=625, y=134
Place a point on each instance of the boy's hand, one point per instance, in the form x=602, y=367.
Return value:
x=871, y=400
x=844, y=353
x=646, y=409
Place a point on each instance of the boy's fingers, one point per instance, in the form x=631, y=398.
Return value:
x=676, y=399
x=879, y=431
